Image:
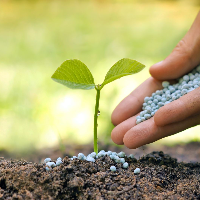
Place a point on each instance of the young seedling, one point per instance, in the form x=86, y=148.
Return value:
x=75, y=75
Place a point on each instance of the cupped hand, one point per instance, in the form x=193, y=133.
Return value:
x=172, y=118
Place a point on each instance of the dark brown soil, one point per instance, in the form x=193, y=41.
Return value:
x=161, y=177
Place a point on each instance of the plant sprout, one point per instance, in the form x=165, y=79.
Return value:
x=75, y=75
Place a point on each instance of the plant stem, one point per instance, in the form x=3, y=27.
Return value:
x=96, y=117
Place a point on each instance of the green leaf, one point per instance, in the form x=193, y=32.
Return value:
x=122, y=68
x=75, y=75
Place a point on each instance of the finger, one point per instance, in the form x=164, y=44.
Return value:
x=132, y=104
x=119, y=131
x=183, y=58
x=148, y=132
x=180, y=109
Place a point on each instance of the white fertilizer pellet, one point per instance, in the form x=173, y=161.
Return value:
x=113, y=168
x=119, y=158
x=137, y=171
x=58, y=162
x=125, y=165
x=47, y=168
x=50, y=164
x=46, y=160
x=121, y=154
x=169, y=93
x=91, y=159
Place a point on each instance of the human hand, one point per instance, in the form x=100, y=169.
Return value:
x=172, y=118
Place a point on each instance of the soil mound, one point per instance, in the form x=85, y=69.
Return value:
x=161, y=177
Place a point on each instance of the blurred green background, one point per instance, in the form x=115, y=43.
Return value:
x=37, y=36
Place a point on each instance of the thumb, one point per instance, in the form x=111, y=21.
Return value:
x=183, y=58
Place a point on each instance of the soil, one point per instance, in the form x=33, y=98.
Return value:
x=161, y=177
